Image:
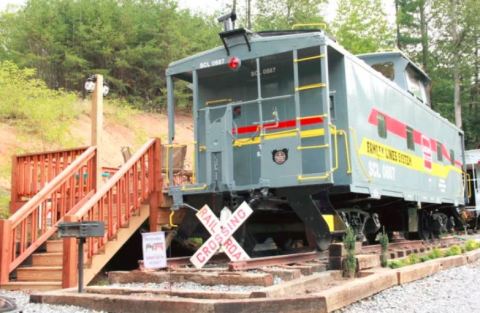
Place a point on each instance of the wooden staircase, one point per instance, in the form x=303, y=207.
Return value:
x=31, y=256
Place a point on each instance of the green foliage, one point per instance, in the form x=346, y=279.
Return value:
x=350, y=263
x=471, y=245
x=283, y=14
x=453, y=250
x=30, y=105
x=361, y=26
x=424, y=258
x=435, y=254
x=384, y=244
x=413, y=259
x=4, y=204
x=131, y=42
x=396, y=263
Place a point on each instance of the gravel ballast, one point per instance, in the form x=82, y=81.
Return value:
x=453, y=290
x=22, y=302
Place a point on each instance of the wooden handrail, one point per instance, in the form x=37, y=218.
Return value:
x=30, y=226
x=115, y=178
x=117, y=200
x=77, y=149
x=31, y=172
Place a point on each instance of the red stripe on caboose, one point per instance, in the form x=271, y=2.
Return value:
x=305, y=121
x=398, y=128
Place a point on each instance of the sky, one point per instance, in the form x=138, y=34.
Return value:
x=208, y=6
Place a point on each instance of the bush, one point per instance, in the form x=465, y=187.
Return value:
x=28, y=104
x=471, y=245
x=453, y=250
x=412, y=259
x=424, y=258
x=350, y=263
x=384, y=243
x=435, y=254
x=396, y=263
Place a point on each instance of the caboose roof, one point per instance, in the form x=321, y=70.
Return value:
x=263, y=43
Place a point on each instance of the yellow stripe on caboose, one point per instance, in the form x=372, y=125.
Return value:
x=318, y=132
x=389, y=154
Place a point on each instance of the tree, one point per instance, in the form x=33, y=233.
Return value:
x=412, y=21
x=130, y=42
x=283, y=14
x=456, y=23
x=361, y=26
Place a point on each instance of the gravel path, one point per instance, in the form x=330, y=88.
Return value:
x=451, y=291
x=187, y=286
x=22, y=301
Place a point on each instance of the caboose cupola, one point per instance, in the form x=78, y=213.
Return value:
x=400, y=69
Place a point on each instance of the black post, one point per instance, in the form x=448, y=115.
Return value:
x=81, y=241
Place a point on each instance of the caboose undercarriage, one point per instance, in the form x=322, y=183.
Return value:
x=291, y=219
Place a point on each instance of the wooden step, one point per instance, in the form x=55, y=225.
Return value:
x=51, y=259
x=32, y=285
x=39, y=273
x=55, y=246
x=47, y=259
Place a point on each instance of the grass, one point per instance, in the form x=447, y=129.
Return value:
x=436, y=253
x=121, y=112
x=4, y=204
x=34, y=109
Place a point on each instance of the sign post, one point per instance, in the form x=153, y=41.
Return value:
x=222, y=235
x=154, y=250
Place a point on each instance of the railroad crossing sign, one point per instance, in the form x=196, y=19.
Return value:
x=221, y=235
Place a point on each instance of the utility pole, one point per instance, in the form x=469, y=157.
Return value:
x=249, y=14
x=97, y=126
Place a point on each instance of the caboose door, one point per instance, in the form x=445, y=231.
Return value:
x=219, y=147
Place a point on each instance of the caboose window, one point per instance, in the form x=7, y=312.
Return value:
x=416, y=85
x=381, y=126
x=387, y=69
x=439, y=152
x=410, y=143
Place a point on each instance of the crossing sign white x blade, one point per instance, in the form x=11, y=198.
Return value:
x=221, y=235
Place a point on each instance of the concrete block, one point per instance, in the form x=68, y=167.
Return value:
x=417, y=271
x=367, y=261
x=335, y=263
x=337, y=249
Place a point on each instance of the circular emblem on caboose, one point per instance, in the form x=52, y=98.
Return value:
x=280, y=156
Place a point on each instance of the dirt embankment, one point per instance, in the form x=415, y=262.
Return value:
x=139, y=128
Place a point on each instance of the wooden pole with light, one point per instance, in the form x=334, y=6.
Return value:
x=97, y=126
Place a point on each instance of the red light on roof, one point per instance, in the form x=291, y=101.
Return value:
x=234, y=63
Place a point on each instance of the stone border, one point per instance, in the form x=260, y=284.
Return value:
x=319, y=302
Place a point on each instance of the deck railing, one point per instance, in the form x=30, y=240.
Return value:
x=33, y=223
x=31, y=172
x=117, y=200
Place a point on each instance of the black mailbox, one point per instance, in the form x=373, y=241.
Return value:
x=82, y=229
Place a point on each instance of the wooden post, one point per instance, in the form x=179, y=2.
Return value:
x=97, y=127
x=14, y=182
x=5, y=250
x=156, y=198
x=70, y=258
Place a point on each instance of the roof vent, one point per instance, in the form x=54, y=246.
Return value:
x=228, y=21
